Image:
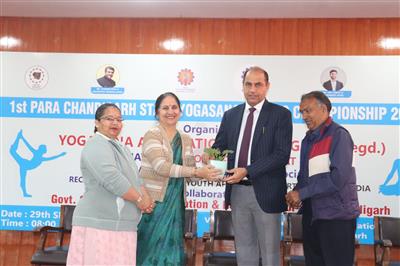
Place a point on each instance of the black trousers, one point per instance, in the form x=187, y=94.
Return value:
x=329, y=242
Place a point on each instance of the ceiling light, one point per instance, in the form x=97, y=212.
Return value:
x=389, y=43
x=173, y=44
x=9, y=42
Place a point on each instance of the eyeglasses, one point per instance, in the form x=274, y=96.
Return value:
x=112, y=119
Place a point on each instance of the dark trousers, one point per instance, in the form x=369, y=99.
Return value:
x=329, y=242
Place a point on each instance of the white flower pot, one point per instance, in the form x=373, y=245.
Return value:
x=222, y=165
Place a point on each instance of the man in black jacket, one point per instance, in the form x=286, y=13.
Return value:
x=333, y=84
x=107, y=81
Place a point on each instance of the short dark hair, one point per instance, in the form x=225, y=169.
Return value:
x=333, y=70
x=320, y=97
x=101, y=109
x=256, y=68
x=162, y=97
x=110, y=68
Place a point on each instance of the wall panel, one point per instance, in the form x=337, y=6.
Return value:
x=202, y=36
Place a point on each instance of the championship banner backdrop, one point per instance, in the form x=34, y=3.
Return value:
x=48, y=101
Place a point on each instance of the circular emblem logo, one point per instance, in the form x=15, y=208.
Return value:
x=36, y=77
x=185, y=77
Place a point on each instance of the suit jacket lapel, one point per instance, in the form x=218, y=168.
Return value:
x=260, y=126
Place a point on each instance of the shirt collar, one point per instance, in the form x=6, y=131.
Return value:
x=104, y=136
x=257, y=106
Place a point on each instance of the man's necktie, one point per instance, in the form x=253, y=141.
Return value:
x=244, y=147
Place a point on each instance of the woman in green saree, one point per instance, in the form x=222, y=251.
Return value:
x=167, y=158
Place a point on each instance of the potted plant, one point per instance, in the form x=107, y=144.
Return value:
x=218, y=158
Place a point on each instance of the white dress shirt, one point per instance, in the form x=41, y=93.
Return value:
x=242, y=127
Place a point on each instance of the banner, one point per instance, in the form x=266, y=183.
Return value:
x=48, y=101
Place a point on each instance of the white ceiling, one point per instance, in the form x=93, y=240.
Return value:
x=202, y=9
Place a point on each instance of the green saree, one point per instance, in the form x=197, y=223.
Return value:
x=160, y=234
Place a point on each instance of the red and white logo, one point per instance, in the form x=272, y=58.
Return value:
x=185, y=77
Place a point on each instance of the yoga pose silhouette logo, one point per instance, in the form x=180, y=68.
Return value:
x=391, y=185
x=26, y=164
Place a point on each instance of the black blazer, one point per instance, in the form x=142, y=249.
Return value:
x=106, y=82
x=328, y=85
x=270, y=152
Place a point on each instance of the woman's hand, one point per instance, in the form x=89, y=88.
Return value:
x=205, y=158
x=148, y=203
x=209, y=172
x=141, y=198
x=145, y=204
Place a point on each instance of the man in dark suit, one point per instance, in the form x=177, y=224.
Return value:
x=333, y=84
x=106, y=81
x=260, y=134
